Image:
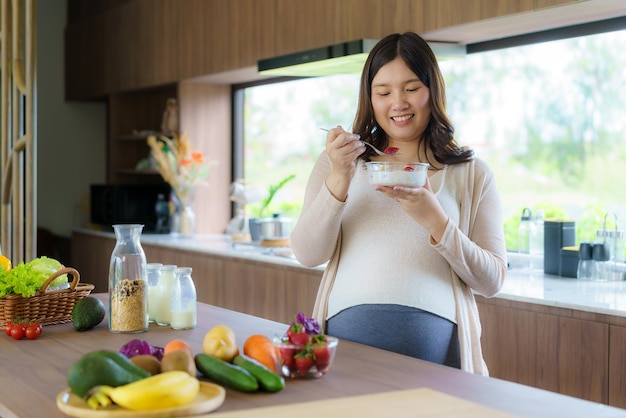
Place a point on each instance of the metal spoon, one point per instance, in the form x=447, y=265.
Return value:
x=390, y=150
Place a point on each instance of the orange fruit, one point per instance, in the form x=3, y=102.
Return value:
x=177, y=345
x=260, y=348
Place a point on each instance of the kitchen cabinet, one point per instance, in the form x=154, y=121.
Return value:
x=546, y=348
x=617, y=366
x=130, y=45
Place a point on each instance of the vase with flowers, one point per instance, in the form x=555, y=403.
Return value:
x=183, y=169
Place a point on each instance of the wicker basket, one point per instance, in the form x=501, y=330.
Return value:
x=47, y=307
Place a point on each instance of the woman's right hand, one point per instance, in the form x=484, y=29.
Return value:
x=342, y=148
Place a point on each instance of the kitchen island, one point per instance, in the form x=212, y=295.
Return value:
x=549, y=332
x=34, y=372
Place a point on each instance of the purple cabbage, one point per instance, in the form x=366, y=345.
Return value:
x=138, y=347
x=311, y=326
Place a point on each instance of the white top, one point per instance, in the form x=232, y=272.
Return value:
x=370, y=271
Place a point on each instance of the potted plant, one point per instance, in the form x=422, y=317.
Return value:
x=264, y=205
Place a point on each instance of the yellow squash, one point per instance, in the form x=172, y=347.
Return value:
x=164, y=390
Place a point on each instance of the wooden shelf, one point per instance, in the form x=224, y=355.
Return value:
x=133, y=117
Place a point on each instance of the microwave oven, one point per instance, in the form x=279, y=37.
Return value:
x=131, y=203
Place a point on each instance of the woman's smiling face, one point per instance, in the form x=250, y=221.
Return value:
x=401, y=102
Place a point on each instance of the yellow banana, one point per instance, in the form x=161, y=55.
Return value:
x=163, y=390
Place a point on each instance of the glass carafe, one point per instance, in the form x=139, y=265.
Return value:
x=128, y=288
x=183, y=300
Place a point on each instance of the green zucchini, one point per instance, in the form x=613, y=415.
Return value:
x=225, y=373
x=268, y=380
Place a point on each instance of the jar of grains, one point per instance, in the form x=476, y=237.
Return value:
x=128, y=289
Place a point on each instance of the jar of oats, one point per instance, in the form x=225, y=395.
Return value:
x=128, y=287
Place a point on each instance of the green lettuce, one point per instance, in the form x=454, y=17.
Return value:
x=27, y=278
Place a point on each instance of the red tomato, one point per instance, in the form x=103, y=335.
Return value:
x=7, y=328
x=18, y=332
x=33, y=331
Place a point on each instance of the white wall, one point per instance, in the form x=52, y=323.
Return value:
x=70, y=136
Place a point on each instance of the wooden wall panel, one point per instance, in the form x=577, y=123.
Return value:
x=199, y=103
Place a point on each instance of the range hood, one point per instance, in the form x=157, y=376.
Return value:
x=344, y=58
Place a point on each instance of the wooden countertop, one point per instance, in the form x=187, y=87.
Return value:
x=33, y=372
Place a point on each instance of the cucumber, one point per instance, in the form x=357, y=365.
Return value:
x=226, y=373
x=268, y=380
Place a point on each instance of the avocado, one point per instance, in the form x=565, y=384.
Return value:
x=103, y=367
x=87, y=313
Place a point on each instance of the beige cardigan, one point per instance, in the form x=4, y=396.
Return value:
x=475, y=249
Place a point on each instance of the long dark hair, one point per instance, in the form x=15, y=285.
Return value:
x=419, y=57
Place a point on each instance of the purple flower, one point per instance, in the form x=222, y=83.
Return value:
x=311, y=326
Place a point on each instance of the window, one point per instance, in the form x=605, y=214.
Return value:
x=547, y=117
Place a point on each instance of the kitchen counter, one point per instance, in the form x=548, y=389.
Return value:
x=34, y=372
x=540, y=330
x=595, y=297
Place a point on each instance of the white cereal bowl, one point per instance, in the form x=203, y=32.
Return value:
x=387, y=173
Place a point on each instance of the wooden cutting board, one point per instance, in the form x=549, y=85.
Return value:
x=423, y=403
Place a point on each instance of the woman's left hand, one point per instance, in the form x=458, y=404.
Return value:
x=420, y=204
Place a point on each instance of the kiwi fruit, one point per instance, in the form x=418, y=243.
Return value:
x=147, y=362
x=178, y=360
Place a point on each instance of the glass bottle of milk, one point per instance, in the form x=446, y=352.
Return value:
x=154, y=274
x=163, y=293
x=183, y=300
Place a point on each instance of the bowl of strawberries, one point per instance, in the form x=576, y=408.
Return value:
x=304, y=351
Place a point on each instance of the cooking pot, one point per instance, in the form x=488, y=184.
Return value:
x=275, y=228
